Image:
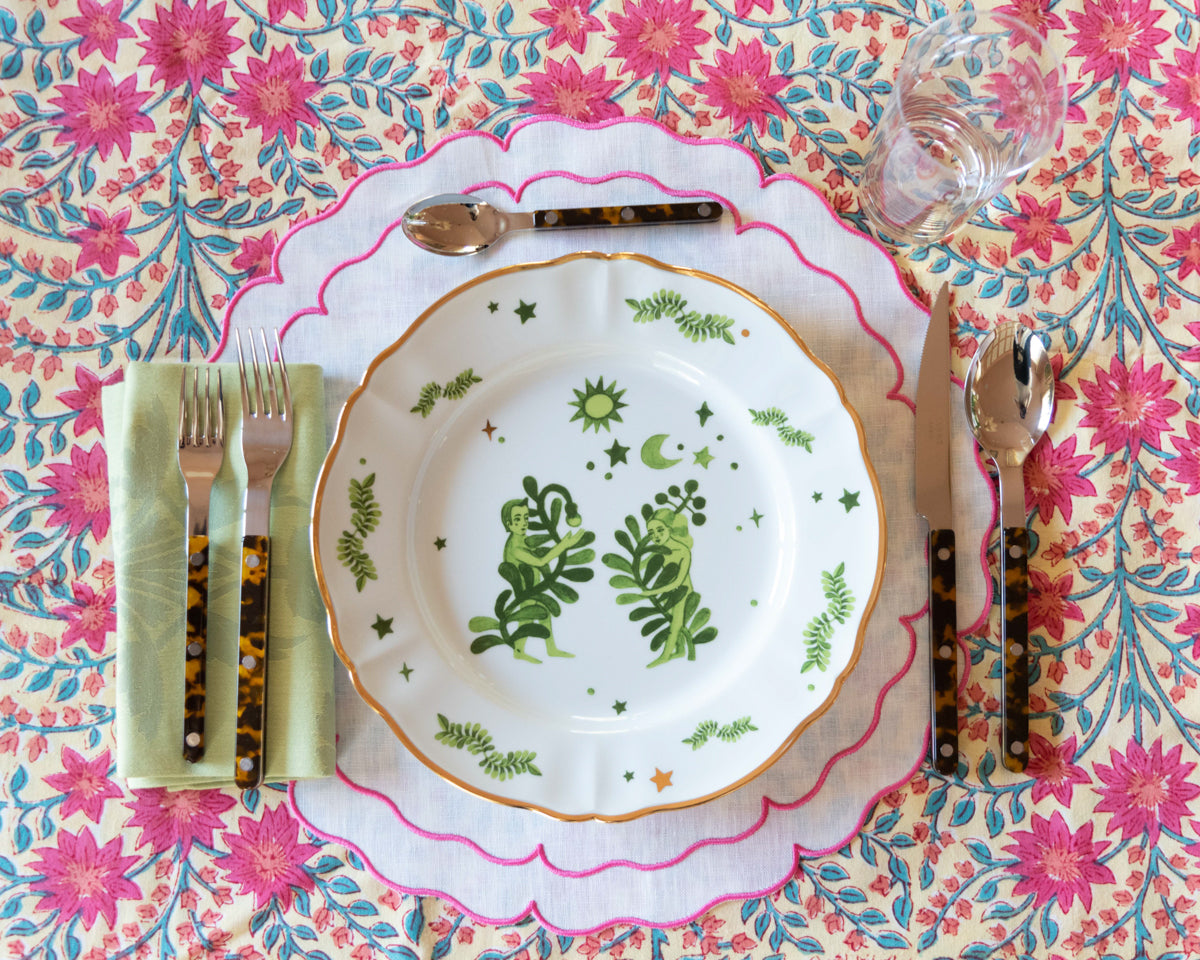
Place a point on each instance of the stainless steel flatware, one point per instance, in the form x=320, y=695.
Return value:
x=266, y=441
x=456, y=224
x=201, y=453
x=1010, y=400
x=935, y=504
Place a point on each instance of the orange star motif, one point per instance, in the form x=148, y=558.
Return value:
x=489, y=429
x=662, y=780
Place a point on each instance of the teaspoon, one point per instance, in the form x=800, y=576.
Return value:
x=455, y=224
x=1009, y=394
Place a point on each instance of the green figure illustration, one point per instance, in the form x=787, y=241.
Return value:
x=655, y=571
x=669, y=531
x=515, y=517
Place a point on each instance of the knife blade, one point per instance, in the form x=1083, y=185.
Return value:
x=935, y=504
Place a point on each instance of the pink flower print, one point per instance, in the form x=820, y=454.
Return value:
x=1052, y=767
x=266, y=857
x=569, y=23
x=80, y=878
x=85, y=783
x=564, y=89
x=1186, y=466
x=98, y=114
x=86, y=400
x=1054, y=863
x=1190, y=627
x=80, y=497
x=1048, y=603
x=100, y=26
x=90, y=618
x=741, y=87
x=274, y=95
x=278, y=9
x=656, y=37
x=1035, y=13
x=1185, y=244
x=1053, y=477
x=189, y=44
x=103, y=240
x=743, y=8
x=1182, y=89
x=1145, y=791
x=256, y=255
x=1019, y=95
x=1115, y=36
x=1036, y=227
x=1128, y=406
x=177, y=818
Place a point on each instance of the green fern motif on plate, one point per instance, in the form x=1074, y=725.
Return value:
x=364, y=517
x=791, y=436
x=820, y=628
x=731, y=732
x=478, y=742
x=455, y=389
x=691, y=323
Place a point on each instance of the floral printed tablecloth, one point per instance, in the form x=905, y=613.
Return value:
x=154, y=153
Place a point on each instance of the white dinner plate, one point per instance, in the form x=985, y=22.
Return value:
x=598, y=536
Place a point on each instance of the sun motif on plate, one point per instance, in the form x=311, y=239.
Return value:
x=597, y=405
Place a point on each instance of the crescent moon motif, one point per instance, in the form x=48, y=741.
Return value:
x=652, y=455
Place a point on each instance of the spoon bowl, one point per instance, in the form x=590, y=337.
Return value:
x=1009, y=394
x=458, y=224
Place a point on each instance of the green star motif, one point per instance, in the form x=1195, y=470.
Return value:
x=703, y=457
x=616, y=453
x=405, y=671
x=628, y=776
x=817, y=496
x=440, y=543
x=619, y=706
x=848, y=500
x=525, y=311
x=756, y=516
x=493, y=307
x=704, y=413
x=381, y=626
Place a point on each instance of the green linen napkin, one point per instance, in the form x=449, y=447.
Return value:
x=148, y=521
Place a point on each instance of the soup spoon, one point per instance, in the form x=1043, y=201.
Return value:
x=1009, y=393
x=455, y=224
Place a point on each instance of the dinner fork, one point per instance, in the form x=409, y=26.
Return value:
x=266, y=440
x=201, y=452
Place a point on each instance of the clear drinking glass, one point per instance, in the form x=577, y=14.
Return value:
x=978, y=99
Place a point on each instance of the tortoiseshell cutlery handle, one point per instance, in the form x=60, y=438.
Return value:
x=943, y=654
x=1014, y=637
x=705, y=211
x=195, y=651
x=252, y=661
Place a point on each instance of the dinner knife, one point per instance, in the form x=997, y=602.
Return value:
x=935, y=504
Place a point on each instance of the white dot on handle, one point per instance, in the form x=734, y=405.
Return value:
x=246, y=763
x=946, y=749
x=196, y=559
x=945, y=651
x=1018, y=747
x=193, y=739
x=627, y=213
x=193, y=649
x=552, y=218
x=1015, y=552
x=249, y=662
x=704, y=209
x=252, y=561
x=1016, y=649
x=944, y=554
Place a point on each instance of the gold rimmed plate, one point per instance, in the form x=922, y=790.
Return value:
x=598, y=536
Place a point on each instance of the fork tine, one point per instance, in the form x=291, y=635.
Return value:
x=260, y=403
x=283, y=376
x=246, y=409
x=194, y=433
x=182, y=406
x=271, y=404
x=220, y=429
x=205, y=436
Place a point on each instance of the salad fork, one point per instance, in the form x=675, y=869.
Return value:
x=266, y=441
x=201, y=452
